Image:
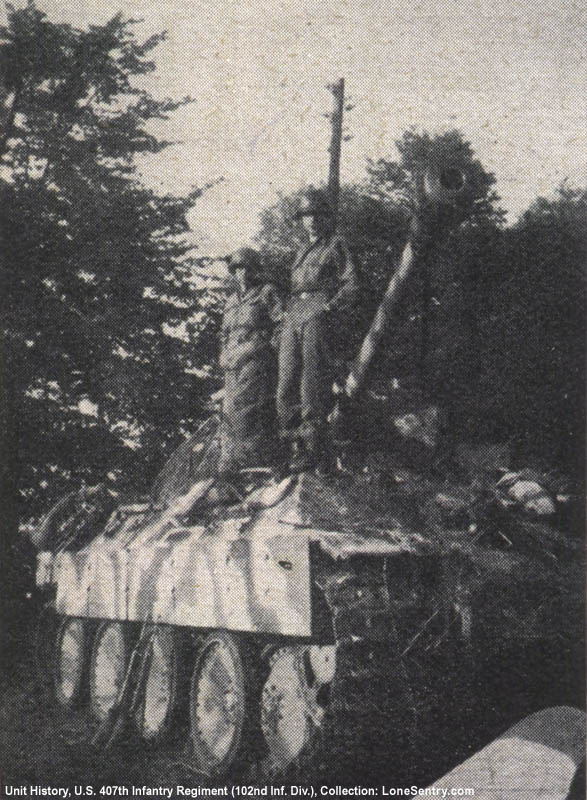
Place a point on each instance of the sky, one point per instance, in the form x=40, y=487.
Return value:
x=509, y=74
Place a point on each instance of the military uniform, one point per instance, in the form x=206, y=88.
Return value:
x=323, y=287
x=248, y=341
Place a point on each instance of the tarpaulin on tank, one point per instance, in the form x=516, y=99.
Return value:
x=77, y=516
x=194, y=459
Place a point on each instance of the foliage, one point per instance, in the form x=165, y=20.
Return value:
x=109, y=320
x=533, y=372
x=419, y=152
x=99, y=285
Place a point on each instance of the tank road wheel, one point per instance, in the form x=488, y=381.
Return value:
x=293, y=701
x=219, y=704
x=109, y=661
x=155, y=714
x=70, y=661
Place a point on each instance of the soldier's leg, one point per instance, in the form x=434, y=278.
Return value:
x=316, y=378
x=255, y=426
x=289, y=366
x=227, y=461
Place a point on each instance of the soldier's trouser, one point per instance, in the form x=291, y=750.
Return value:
x=304, y=368
x=247, y=431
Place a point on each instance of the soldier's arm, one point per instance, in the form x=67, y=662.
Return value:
x=274, y=309
x=224, y=336
x=348, y=282
x=273, y=303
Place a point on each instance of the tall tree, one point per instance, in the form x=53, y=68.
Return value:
x=98, y=282
x=420, y=152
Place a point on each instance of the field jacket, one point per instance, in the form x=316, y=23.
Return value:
x=249, y=325
x=326, y=267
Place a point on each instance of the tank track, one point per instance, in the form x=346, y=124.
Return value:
x=402, y=662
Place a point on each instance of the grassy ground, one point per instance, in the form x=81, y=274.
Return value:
x=42, y=745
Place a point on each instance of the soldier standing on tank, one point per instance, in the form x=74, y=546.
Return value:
x=323, y=291
x=249, y=334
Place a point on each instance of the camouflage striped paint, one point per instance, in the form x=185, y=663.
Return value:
x=250, y=572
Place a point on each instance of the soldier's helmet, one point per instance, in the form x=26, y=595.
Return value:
x=314, y=203
x=245, y=257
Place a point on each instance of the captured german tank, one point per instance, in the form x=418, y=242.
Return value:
x=297, y=626
x=312, y=626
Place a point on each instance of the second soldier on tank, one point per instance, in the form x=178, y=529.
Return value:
x=248, y=357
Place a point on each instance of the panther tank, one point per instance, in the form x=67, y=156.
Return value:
x=307, y=626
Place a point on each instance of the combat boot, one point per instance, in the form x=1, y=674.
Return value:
x=325, y=462
x=303, y=458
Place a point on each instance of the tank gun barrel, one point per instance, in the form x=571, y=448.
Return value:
x=436, y=188
x=359, y=369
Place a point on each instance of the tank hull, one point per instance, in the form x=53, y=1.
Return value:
x=407, y=623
